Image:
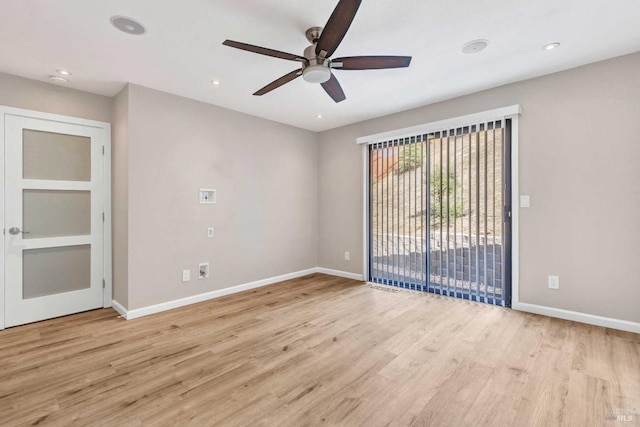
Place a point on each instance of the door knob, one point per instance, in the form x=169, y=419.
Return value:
x=16, y=230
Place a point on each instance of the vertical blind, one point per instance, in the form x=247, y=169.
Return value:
x=439, y=212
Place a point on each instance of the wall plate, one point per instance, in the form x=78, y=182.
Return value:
x=203, y=270
x=207, y=196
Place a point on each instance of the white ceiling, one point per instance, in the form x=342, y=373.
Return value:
x=182, y=51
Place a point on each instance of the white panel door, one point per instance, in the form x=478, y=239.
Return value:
x=54, y=231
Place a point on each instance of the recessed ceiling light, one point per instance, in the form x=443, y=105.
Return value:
x=551, y=46
x=58, y=79
x=63, y=72
x=474, y=46
x=215, y=82
x=318, y=116
x=128, y=25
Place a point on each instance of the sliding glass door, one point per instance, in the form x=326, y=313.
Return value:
x=440, y=215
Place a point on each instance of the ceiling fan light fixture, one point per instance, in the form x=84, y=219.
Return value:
x=316, y=65
x=316, y=74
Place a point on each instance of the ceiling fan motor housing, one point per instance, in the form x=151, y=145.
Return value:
x=317, y=70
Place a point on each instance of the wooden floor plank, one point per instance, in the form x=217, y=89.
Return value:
x=318, y=350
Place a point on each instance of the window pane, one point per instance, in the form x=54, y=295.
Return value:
x=436, y=205
x=56, y=213
x=52, y=271
x=55, y=156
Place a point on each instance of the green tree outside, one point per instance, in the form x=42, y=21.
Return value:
x=440, y=184
x=443, y=185
x=410, y=158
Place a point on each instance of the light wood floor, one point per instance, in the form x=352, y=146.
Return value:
x=318, y=350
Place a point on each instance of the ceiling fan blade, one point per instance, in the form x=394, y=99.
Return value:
x=264, y=51
x=337, y=27
x=279, y=82
x=370, y=62
x=333, y=88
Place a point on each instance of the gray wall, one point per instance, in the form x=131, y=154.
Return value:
x=291, y=199
x=120, y=196
x=579, y=154
x=164, y=149
x=265, y=175
x=49, y=98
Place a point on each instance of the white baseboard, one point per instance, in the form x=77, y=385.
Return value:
x=119, y=308
x=575, y=316
x=152, y=309
x=607, y=322
x=157, y=308
x=339, y=273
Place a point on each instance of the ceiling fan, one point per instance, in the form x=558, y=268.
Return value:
x=316, y=65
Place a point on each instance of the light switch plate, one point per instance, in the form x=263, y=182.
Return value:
x=210, y=232
x=524, y=201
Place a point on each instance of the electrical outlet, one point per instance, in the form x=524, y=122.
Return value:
x=347, y=256
x=554, y=282
x=203, y=270
x=210, y=232
x=186, y=275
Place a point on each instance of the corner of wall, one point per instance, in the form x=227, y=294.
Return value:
x=266, y=216
x=120, y=197
x=316, y=141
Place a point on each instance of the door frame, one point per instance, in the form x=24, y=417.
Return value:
x=512, y=112
x=106, y=143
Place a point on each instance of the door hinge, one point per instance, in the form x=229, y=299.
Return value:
x=104, y=284
x=103, y=150
x=102, y=216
